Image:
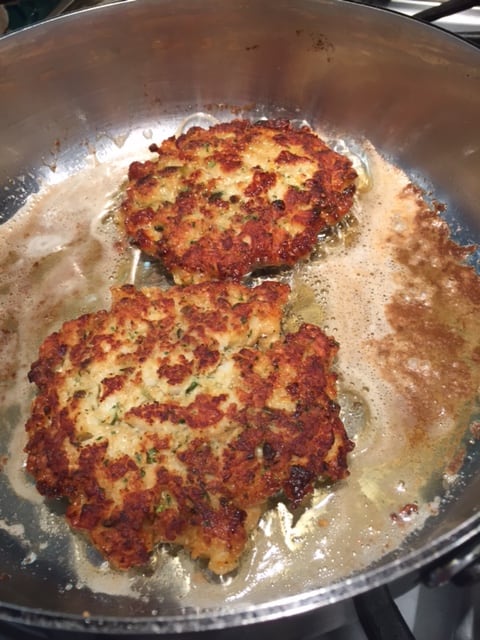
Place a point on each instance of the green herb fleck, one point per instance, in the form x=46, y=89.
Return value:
x=165, y=502
x=115, y=417
x=191, y=386
x=152, y=455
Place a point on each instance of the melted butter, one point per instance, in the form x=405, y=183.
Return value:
x=387, y=287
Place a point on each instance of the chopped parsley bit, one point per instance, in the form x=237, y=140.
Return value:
x=191, y=386
x=165, y=502
x=115, y=417
x=138, y=457
x=152, y=455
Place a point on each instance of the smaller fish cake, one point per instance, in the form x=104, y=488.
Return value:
x=221, y=202
x=175, y=416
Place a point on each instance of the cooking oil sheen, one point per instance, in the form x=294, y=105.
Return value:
x=374, y=285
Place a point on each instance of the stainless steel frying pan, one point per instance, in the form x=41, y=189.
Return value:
x=84, y=82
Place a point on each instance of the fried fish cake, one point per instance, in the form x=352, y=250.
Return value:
x=174, y=416
x=219, y=203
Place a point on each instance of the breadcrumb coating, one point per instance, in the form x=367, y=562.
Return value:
x=222, y=202
x=176, y=415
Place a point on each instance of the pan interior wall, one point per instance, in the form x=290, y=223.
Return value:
x=394, y=91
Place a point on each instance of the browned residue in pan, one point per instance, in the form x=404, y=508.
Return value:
x=432, y=355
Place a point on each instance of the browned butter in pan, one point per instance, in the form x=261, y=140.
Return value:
x=389, y=285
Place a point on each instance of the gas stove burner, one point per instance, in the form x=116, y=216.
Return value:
x=17, y=14
x=461, y=17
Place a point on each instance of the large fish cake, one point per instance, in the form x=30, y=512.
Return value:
x=221, y=202
x=174, y=416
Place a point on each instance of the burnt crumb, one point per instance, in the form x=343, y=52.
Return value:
x=3, y=462
x=298, y=483
x=475, y=429
x=405, y=513
x=269, y=452
x=318, y=41
x=456, y=462
x=252, y=47
x=279, y=205
x=321, y=43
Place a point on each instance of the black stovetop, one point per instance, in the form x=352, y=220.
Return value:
x=461, y=17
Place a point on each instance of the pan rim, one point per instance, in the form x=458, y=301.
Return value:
x=248, y=614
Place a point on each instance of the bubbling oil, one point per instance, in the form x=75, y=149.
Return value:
x=63, y=251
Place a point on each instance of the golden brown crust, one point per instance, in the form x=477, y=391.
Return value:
x=177, y=414
x=222, y=202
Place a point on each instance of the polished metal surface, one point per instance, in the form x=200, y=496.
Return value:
x=409, y=88
x=463, y=22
